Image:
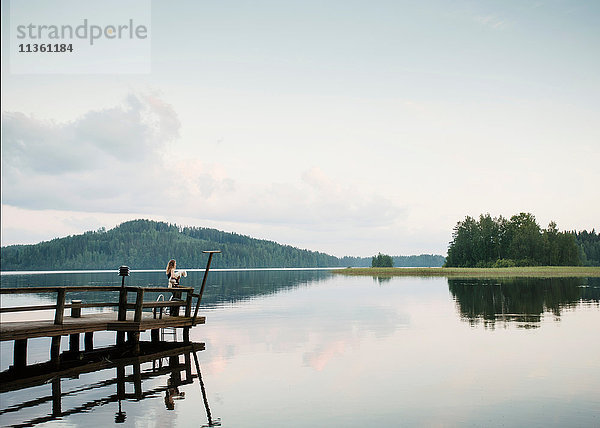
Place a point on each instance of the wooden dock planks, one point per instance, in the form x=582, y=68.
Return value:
x=105, y=321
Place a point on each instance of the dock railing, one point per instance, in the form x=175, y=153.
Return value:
x=123, y=305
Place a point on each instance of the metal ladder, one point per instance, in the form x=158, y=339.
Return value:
x=165, y=331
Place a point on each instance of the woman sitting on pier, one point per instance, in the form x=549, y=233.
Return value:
x=174, y=275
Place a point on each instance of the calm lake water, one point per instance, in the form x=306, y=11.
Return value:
x=309, y=348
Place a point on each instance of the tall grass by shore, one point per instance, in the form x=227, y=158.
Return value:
x=528, y=272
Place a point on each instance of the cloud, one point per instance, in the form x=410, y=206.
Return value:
x=315, y=201
x=128, y=133
x=105, y=160
x=126, y=159
x=491, y=21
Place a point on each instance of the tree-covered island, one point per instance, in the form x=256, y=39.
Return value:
x=519, y=241
x=508, y=248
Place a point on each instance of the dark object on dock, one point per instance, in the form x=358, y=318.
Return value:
x=124, y=271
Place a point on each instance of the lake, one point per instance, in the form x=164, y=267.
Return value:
x=300, y=348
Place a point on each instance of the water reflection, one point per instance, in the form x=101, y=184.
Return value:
x=223, y=287
x=381, y=280
x=520, y=300
x=23, y=406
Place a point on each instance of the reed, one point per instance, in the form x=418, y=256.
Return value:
x=527, y=271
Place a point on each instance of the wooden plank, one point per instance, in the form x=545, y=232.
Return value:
x=26, y=290
x=98, y=305
x=26, y=308
x=165, y=289
x=89, y=323
x=166, y=304
x=67, y=306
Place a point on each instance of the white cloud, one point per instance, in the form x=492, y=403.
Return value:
x=128, y=159
x=492, y=21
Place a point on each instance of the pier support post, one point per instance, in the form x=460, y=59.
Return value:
x=74, y=342
x=88, y=340
x=20, y=354
x=55, y=351
x=155, y=335
x=133, y=337
x=186, y=335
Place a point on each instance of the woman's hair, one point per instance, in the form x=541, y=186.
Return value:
x=170, y=266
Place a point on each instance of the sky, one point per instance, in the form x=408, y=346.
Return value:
x=348, y=127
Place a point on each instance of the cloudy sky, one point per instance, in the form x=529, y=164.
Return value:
x=348, y=127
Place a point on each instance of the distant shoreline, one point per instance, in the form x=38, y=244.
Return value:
x=525, y=272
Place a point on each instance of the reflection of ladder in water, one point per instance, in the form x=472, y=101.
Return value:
x=165, y=331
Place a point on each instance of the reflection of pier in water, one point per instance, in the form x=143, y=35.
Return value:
x=165, y=359
x=522, y=301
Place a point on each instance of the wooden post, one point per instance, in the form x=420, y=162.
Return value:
x=55, y=351
x=88, y=340
x=74, y=342
x=138, y=305
x=174, y=310
x=122, y=312
x=20, y=354
x=133, y=337
x=186, y=334
x=122, y=304
x=199, y=298
x=155, y=335
x=188, y=304
x=60, y=306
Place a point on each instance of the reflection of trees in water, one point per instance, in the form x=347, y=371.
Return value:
x=233, y=286
x=221, y=287
x=521, y=300
x=382, y=279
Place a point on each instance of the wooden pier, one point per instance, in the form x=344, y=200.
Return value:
x=128, y=320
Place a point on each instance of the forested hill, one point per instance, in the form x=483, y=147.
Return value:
x=146, y=244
